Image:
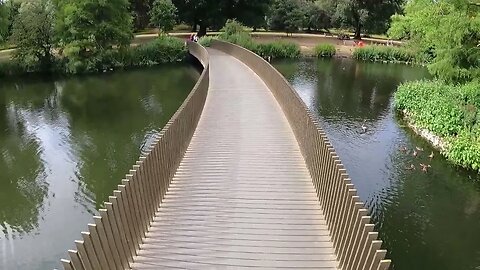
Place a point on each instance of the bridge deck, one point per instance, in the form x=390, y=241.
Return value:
x=242, y=196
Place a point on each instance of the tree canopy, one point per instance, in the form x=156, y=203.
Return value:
x=163, y=15
x=371, y=15
x=86, y=28
x=33, y=32
x=286, y=15
x=445, y=31
x=214, y=13
x=3, y=21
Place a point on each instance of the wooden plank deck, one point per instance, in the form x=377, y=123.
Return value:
x=242, y=196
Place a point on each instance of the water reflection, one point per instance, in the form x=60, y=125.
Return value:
x=427, y=220
x=65, y=144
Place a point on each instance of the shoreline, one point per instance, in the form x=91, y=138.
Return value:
x=436, y=141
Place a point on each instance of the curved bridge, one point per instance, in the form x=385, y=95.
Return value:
x=242, y=176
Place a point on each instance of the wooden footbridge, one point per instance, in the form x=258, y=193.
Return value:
x=241, y=177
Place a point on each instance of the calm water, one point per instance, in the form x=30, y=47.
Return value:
x=65, y=145
x=428, y=221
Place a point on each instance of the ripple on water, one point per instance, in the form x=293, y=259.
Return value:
x=427, y=220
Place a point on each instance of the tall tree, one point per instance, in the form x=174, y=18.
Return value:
x=88, y=28
x=4, y=14
x=372, y=15
x=163, y=15
x=33, y=32
x=214, y=13
x=447, y=31
x=286, y=15
x=316, y=16
x=140, y=11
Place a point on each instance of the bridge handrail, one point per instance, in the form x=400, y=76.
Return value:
x=116, y=235
x=355, y=242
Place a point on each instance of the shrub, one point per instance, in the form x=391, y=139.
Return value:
x=10, y=68
x=206, y=41
x=164, y=49
x=231, y=28
x=278, y=49
x=324, y=50
x=452, y=112
x=182, y=28
x=377, y=53
x=234, y=32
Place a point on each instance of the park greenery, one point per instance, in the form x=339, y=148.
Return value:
x=389, y=54
x=324, y=50
x=446, y=110
x=234, y=32
x=446, y=35
x=79, y=36
x=84, y=36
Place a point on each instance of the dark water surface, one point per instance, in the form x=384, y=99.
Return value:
x=428, y=221
x=64, y=146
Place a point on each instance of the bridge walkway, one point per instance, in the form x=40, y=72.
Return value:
x=242, y=196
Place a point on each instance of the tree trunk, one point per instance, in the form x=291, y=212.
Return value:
x=203, y=30
x=194, y=26
x=358, y=29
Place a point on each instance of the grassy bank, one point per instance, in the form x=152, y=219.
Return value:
x=390, y=54
x=324, y=50
x=448, y=111
x=158, y=51
x=234, y=32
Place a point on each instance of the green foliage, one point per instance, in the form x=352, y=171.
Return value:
x=446, y=31
x=378, y=53
x=206, y=41
x=315, y=17
x=10, y=68
x=109, y=26
x=4, y=14
x=324, y=50
x=33, y=35
x=232, y=27
x=140, y=13
x=234, y=32
x=286, y=15
x=164, y=49
x=163, y=15
x=182, y=28
x=214, y=13
x=278, y=49
x=373, y=16
x=452, y=112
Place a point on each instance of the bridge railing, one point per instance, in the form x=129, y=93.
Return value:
x=117, y=233
x=354, y=240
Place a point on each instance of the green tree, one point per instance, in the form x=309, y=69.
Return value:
x=4, y=16
x=33, y=32
x=286, y=15
x=140, y=12
x=88, y=29
x=163, y=15
x=316, y=17
x=446, y=32
x=214, y=13
x=370, y=15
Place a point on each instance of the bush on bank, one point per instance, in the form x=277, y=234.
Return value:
x=162, y=50
x=449, y=111
x=234, y=32
x=324, y=50
x=379, y=53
